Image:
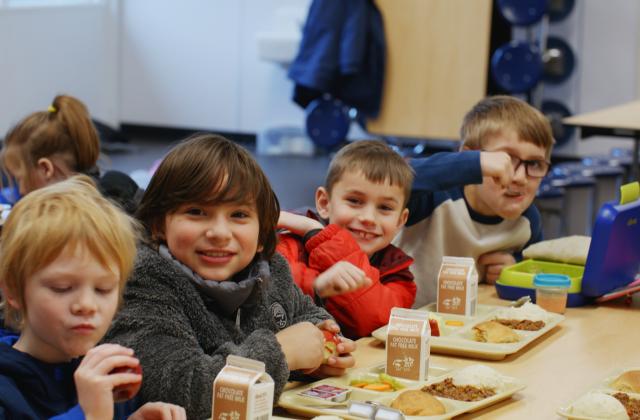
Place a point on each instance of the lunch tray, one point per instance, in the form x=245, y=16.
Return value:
x=604, y=386
x=294, y=403
x=458, y=340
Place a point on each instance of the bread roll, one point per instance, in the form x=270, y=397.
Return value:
x=628, y=382
x=418, y=403
x=494, y=332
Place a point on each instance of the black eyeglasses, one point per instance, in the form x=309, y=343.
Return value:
x=535, y=168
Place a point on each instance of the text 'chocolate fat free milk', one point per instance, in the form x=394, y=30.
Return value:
x=408, y=348
x=458, y=286
x=242, y=391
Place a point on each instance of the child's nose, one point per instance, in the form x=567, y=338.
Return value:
x=85, y=304
x=367, y=215
x=218, y=230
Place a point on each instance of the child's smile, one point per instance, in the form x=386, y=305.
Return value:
x=215, y=241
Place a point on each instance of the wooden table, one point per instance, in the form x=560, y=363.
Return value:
x=591, y=343
x=619, y=121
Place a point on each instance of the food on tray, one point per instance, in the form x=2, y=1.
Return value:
x=447, y=389
x=418, y=403
x=480, y=376
x=628, y=382
x=599, y=405
x=383, y=383
x=327, y=393
x=494, y=332
x=435, y=323
x=529, y=317
x=473, y=383
x=632, y=405
x=331, y=341
x=453, y=323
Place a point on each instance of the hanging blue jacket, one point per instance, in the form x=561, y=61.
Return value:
x=342, y=53
x=32, y=389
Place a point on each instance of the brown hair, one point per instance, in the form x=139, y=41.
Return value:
x=495, y=113
x=47, y=221
x=65, y=130
x=376, y=161
x=208, y=168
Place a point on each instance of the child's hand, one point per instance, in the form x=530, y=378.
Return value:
x=336, y=365
x=296, y=223
x=494, y=262
x=498, y=166
x=342, y=277
x=95, y=385
x=302, y=345
x=159, y=411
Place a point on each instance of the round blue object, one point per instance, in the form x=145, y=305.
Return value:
x=327, y=122
x=522, y=12
x=551, y=280
x=517, y=66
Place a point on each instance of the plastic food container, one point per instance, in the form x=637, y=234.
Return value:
x=552, y=291
x=517, y=280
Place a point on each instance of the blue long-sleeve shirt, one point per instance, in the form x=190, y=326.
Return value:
x=441, y=222
x=32, y=389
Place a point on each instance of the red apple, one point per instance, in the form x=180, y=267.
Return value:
x=125, y=392
x=331, y=341
x=435, y=329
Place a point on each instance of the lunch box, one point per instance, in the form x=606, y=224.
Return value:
x=612, y=262
x=517, y=280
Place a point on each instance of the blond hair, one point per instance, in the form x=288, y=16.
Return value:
x=70, y=213
x=64, y=130
x=496, y=113
x=376, y=161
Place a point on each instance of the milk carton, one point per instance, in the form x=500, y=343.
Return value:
x=242, y=391
x=458, y=286
x=408, y=348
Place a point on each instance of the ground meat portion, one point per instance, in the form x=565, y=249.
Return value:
x=447, y=389
x=630, y=404
x=523, y=325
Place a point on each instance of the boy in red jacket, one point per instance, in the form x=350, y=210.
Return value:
x=350, y=266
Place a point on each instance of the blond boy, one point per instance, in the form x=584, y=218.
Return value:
x=478, y=202
x=65, y=255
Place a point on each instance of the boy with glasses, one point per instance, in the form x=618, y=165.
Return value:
x=478, y=202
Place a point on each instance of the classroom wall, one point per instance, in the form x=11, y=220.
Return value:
x=49, y=50
x=195, y=63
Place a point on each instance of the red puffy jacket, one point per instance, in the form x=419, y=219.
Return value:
x=364, y=310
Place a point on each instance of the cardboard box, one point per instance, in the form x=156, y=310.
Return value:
x=408, y=348
x=458, y=286
x=242, y=391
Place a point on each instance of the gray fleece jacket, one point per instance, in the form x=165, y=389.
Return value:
x=182, y=342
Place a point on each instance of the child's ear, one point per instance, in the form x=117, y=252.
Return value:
x=322, y=202
x=46, y=168
x=403, y=217
x=8, y=297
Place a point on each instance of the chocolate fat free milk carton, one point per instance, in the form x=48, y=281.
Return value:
x=242, y=391
x=408, y=348
x=458, y=286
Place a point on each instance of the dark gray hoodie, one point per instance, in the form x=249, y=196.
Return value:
x=182, y=340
